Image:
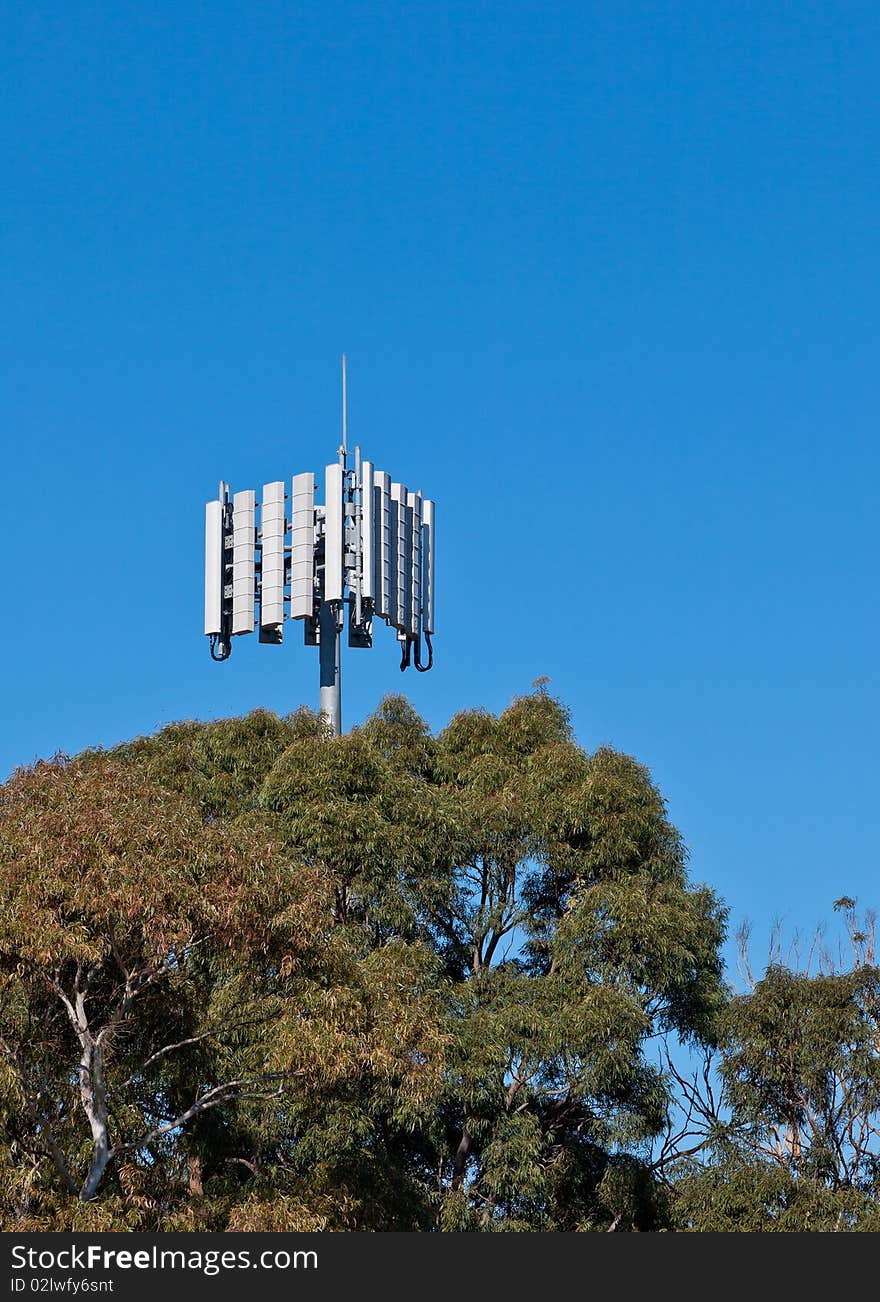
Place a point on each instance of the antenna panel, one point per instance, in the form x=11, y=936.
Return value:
x=414, y=513
x=385, y=591
x=302, y=553
x=244, y=510
x=367, y=541
x=402, y=556
x=428, y=565
x=214, y=567
x=273, y=529
x=333, y=533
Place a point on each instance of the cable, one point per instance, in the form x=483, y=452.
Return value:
x=226, y=648
x=405, y=651
x=423, y=669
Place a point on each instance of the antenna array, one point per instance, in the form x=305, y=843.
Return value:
x=369, y=547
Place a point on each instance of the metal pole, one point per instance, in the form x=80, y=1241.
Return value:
x=329, y=645
x=330, y=692
x=359, y=520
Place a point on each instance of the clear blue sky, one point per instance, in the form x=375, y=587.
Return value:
x=607, y=278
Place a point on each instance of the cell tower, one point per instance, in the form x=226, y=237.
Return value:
x=369, y=547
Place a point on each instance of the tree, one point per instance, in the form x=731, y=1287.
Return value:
x=552, y=889
x=125, y=915
x=258, y=977
x=794, y=1135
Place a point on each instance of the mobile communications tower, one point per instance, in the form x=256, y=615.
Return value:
x=369, y=547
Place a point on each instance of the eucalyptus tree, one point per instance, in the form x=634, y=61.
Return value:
x=551, y=890
x=792, y=1127
x=255, y=976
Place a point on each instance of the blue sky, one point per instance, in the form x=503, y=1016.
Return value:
x=606, y=275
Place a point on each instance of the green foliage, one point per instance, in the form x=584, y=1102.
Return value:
x=795, y=1144
x=219, y=766
x=739, y=1192
x=255, y=977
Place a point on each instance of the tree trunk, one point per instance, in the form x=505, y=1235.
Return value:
x=94, y=1101
x=461, y=1156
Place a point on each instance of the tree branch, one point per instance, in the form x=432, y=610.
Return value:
x=233, y=1089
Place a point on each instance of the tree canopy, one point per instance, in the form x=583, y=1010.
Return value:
x=793, y=1138
x=256, y=977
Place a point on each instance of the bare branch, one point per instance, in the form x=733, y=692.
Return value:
x=225, y=1093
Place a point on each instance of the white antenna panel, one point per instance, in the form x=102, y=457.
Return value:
x=384, y=590
x=367, y=541
x=213, y=567
x=414, y=512
x=402, y=565
x=244, y=510
x=272, y=534
x=302, y=553
x=428, y=565
x=333, y=525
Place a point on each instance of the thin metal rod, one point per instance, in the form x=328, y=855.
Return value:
x=344, y=449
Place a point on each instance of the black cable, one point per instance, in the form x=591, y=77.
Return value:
x=405, y=652
x=423, y=669
x=225, y=654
